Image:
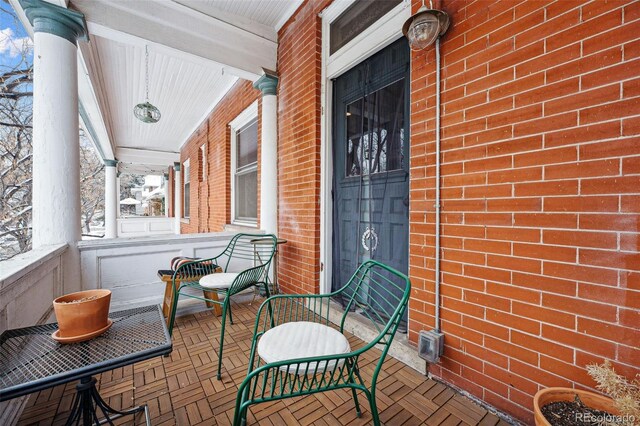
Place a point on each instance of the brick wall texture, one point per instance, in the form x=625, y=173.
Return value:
x=210, y=203
x=540, y=195
x=299, y=62
x=540, y=188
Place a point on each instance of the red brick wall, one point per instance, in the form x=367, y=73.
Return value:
x=211, y=199
x=299, y=149
x=540, y=187
x=191, y=151
x=540, y=184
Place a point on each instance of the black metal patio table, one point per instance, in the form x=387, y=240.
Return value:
x=30, y=360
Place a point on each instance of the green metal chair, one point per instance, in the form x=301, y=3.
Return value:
x=298, y=324
x=248, y=254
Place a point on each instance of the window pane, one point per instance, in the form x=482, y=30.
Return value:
x=246, y=195
x=356, y=19
x=247, y=144
x=187, y=199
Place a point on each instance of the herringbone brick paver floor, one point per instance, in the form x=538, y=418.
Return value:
x=182, y=389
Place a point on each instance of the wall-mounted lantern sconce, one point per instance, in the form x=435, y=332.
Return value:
x=425, y=26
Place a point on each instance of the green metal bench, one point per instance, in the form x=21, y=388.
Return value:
x=293, y=323
x=201, y=275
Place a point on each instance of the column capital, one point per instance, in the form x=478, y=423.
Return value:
x=110, y=163
x=267, y=83
x=50, y=18
x=176, y=167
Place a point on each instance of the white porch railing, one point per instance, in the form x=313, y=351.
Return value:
x=28, y=284
x=144, y=226
x=128, y=266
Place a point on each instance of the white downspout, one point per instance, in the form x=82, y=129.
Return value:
x=437, y=205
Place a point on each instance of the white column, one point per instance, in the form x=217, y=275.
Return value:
x=110, y=199
x=165, y=183
x=118, y=183
x=177, y=198
x=269, y=153
x=56, y=152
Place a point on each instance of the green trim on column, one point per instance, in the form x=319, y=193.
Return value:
x=267, y=84
x=176, y=167
x=110, y=163
x=49, y=18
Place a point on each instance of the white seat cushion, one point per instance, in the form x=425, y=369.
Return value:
x=301, y=340
x=219, y=280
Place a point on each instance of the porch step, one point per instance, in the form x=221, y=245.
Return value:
x=400, y=348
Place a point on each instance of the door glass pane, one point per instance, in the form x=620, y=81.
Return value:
x=375, y=136
x=247, y=144
x=246, y=195
x=355, y=127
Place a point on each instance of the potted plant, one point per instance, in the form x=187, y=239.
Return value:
x=82, y=316
x=566, y=406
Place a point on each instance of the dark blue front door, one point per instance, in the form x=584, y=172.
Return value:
x=371, y=163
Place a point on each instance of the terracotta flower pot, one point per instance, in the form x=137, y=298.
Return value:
x=82, y=313
x=590, y=399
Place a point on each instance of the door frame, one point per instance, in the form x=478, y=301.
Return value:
x=376, y=37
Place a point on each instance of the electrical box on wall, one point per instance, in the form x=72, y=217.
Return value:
x=430, y=345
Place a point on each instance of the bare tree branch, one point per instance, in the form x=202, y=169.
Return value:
x=20, y=125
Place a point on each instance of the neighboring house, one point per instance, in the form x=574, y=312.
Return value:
x=150, y=195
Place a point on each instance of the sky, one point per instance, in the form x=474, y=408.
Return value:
x=12, y=39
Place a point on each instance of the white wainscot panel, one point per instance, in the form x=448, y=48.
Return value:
x=128, y=266
x=132, y=275
x=28, y=284
x=144, y=226
x=162, y=226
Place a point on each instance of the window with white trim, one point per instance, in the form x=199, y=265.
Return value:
x=244, y=167
x=186, y=167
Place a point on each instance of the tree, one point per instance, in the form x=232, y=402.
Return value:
x=128, y=182
x=91, y=184
x=16, y=111
x=16, y=82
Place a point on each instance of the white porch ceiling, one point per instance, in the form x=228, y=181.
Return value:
x=183, y=91
x=245, y=13
x=197, y=50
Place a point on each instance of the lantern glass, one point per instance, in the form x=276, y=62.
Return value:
x=423, y=31
x=147, y=113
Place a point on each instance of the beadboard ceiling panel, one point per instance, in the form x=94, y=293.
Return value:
x=268, y=13
x=183, y=91
x=197, y=50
